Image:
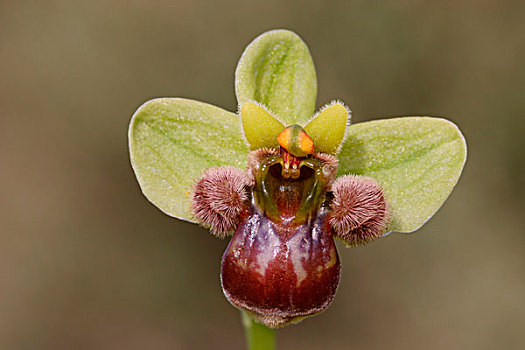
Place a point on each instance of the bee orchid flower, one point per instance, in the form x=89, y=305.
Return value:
x=284, y=182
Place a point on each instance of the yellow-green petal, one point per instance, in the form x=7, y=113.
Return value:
x=327, y=129
x=259, y=126
x=277, y=70
x=417, y=161
x=172, y=140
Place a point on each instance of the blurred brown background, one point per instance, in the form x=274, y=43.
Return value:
x=87, y=263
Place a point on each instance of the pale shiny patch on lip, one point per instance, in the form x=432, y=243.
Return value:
x=237, y=253
x=333, y=259
x=299, y=253
x=329, y=264
x=271, y=250
x=242, y=264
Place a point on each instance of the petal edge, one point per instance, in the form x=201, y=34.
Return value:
x=172, y=140
x=417, y=161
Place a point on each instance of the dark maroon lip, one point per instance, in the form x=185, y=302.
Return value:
x=281, y=273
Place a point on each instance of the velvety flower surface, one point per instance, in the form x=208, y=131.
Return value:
x=285, y=181
x=220, y=199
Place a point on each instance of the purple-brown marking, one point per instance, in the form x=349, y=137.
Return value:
x=281, y=274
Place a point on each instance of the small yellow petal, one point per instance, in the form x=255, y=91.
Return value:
x=260, y=127
x=327, y=129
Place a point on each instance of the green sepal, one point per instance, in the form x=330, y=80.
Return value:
x=277, y=70
x=172, y=140
x=417, y=161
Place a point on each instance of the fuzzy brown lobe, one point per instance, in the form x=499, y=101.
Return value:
x=359, y=210
x=220, y=197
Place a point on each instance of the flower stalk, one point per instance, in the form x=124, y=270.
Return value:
x=258, y=336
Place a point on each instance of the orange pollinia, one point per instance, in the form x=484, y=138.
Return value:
x=296, y=141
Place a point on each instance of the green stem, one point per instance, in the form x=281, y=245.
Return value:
x=258, y=336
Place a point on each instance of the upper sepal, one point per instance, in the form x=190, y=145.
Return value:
x=277, y=70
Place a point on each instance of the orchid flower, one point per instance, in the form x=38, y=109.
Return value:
x=285, y=181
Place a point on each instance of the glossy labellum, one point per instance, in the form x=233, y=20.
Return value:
x=281, y=264
x=281, y=274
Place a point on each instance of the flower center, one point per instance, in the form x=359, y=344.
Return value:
x=289, y=185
